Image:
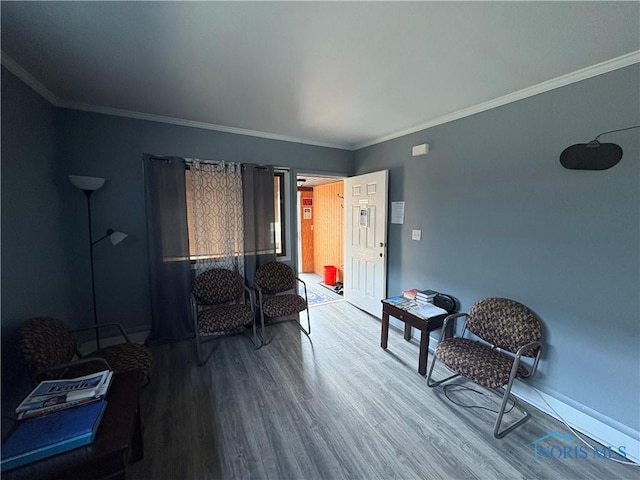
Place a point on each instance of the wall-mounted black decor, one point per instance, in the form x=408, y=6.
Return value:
x=593, y=155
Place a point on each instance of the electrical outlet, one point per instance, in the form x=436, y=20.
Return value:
x=416, y=234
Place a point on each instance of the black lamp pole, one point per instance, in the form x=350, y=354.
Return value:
x=93, y=282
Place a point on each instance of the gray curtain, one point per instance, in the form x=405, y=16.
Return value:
x=259, y=218
x=168, y=243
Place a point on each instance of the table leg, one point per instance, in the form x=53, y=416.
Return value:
x=385, y=330
x=137, y=445
x=407, y=332
x=424, y=351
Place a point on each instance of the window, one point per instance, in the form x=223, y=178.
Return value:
x=279, y=203
x=279, y=209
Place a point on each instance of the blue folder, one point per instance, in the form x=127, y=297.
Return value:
x=43, y=437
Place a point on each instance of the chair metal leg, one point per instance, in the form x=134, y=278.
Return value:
x=256, y=340
x=201, y=360
x=525, y=416
x=308, y=331
x=507, y=394
x=439, y=382
x=263, y=339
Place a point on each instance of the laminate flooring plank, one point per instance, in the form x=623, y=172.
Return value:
x=335, y=406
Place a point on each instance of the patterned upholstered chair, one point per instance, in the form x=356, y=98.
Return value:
x=221, y=304
x=49, y=349
x=507, y=332
x=277, y=285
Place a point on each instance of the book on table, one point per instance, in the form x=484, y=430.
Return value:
x=420, y=296
x=55, y=395
x=42, y=437
x=410, y=294
x=427, y=310
x=400, y=302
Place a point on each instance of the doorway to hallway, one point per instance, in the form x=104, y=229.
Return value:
x=320, y=229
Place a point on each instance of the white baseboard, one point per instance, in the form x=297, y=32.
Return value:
x=585, y=420
x=600, y=428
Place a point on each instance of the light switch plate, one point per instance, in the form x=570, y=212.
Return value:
x=416, y=234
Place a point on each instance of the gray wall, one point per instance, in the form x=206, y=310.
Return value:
x=501, y=217
x=45, y=257
x=112, y=147
x=35, y=275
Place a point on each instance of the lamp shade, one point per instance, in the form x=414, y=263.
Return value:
x=117, y=237
x=86, y=183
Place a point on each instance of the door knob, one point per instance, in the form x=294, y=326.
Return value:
x=381, y=255
x=381, y=244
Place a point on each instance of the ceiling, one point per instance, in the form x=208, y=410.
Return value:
x=342, y=74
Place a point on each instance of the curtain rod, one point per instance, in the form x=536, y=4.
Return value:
x=218, y=162
x=190, y=161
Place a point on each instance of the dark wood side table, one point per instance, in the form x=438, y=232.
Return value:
x=118, y=441
x=410, y=320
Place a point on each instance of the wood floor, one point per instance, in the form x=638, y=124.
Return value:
x=340, y=407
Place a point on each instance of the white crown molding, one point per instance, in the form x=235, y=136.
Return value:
x=573, y=77
x=194, y=124
x=29, y=79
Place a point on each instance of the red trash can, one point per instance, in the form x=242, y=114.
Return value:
x=330, y=275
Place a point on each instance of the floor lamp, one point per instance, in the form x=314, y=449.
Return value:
x=89, y=185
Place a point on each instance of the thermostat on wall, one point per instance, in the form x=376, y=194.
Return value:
x=418, y=150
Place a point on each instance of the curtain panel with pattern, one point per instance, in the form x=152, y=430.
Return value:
x=209, y=215
x=217, y=220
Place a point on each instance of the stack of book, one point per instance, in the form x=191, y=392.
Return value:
x=420, y=296
x=425, y=296
x=57, y=416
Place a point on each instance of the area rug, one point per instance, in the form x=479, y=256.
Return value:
x=316, y=295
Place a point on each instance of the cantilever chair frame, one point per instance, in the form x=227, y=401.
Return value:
x=255, y=339
x=69, y=365
x=262, y=296
x=506, y=394
x=91, y=357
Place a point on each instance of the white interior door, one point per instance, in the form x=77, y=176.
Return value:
x=365, y=264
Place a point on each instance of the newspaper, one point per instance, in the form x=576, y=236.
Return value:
x=53, y=395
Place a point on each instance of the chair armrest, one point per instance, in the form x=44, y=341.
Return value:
x=65, y=366
x=448, y=319
x=526, y=348
x=305, y=288
x=258, y=288
x=102, y=325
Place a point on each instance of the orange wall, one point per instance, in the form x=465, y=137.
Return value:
x=328, y=223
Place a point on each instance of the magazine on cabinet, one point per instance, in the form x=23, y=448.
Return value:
x=54, y=395
x=427, y=311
